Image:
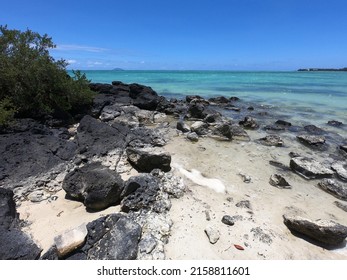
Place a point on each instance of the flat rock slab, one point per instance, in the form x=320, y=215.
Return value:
x=70, y=240
x=327, y=232
x=310, y=168
x=335, y=188
x=311, y=140
x=341, y=169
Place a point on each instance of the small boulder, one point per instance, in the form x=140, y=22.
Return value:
x=244, y=204
x=224, y=130
x=335, y=123
x=312, y=129
x=282, y=122
x=95, y=185
x=279, y=181
x=192, y=136
x=310, y=168
x=238, y=133
x=196, y=110
x=146, y=159
x=182, y=126
x=213, y=234
x=212, y=118
x=199, y=127
x=311, y=140
x=70, y=240
x=272, y=140
x=249, y=123
x=334, y=188
x=228, y=220
x=327, y=232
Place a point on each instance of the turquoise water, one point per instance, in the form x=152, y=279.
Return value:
x=315, y=97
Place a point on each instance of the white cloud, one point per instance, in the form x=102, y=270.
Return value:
x=71, y=61
x=80, y=48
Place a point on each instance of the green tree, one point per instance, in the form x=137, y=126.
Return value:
x=32, y=83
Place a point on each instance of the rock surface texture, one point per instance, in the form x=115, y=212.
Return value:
x=310, y=168
x=15, y=244
x=327, y=232
x=95, y=185
x=334, y=187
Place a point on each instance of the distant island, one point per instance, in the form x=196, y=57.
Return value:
x=118, y=69
x=323, y=69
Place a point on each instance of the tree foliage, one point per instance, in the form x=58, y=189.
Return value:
x=32, y=83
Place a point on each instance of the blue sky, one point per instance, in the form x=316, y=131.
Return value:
x=188, y=34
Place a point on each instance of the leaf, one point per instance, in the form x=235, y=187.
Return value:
x=239, y=247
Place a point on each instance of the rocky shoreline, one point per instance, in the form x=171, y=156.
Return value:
x=117, y=155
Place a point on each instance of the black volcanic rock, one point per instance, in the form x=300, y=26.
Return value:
x=312, y=129
x=146, y=159
x=113, y=237
x=197, y=111
x=219, y=100
x=282, y=122
x=97, y=138
x=144, y=97
x=95, y=185
x=335, y=123
x=32, y=150
x=120, y=242
x=249, y=123
x=140, y=193
x=15, y=244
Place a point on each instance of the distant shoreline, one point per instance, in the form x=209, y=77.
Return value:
x=323, y=69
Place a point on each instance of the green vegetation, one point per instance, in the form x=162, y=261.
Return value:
x=34, y=84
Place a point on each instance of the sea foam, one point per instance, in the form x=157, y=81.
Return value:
x=196, y=177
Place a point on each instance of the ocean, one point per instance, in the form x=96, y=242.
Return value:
x=302, y=97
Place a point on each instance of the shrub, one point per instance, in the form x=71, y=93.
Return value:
x=7, y=111
x=32, y=83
